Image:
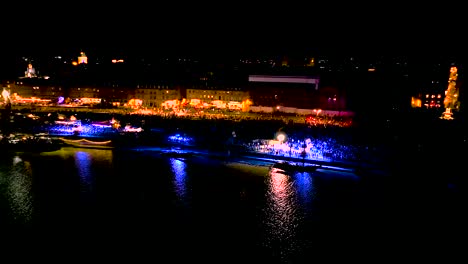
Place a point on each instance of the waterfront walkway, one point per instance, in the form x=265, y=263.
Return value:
x=348, y=166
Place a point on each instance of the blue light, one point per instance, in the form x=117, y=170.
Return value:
x=83, y=164
x=82, y=130
x=177, y=138
x=180, y=174
x=304, y=187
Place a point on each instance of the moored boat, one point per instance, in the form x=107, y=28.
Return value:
x=29, y=143
x=87, y=143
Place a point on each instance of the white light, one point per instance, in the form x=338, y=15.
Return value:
x=281, y=137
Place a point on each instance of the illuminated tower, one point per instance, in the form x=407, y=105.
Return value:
x=451, y=95
x=30, y=71
x=82, y=59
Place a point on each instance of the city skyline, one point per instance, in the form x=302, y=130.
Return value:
x=213, y=135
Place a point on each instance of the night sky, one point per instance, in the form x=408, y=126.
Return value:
x=235, y=28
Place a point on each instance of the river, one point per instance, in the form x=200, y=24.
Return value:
x=108, y=203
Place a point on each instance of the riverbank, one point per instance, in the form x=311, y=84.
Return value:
x=261, y=164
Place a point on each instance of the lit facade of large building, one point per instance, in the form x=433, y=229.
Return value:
x=219, y=96
x=110, y=95
x=36, y=88
x=288, y=91
x=438, y=95
x=154, y=96
x=154, y=86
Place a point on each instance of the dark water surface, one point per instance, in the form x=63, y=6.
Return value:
x=90, y=202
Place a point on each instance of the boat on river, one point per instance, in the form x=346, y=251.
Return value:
x=87, y=143
x=29, y=143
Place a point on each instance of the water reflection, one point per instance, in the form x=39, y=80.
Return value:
x=179, y=167
x=282, y=216
x=100, y=155
x=87, y=162
x=276, y=216
x=83, y=166
x=305, y=189
x=18, y=183
x=289, y=201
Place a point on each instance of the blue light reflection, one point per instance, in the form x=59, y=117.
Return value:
x=180, y=177
x=83, y=164
x=304, y=188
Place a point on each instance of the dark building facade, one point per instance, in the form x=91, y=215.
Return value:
x=294, y=91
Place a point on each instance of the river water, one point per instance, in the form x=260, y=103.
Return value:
x=95, y=202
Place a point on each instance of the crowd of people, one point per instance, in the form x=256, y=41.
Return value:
x=322, y=148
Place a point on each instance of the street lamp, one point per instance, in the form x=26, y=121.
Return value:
x=281, y=137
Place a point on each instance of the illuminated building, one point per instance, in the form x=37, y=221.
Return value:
x=36, y=88
x=6, y=96
x=289, y=91
x=30, y=71
x=431, y=99
x=219, y=97
x=430, y=88
x=93, y=94
x=153, y=96
x=82, y=59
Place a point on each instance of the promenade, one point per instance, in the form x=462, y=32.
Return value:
x=265, y=159
x=328, y=146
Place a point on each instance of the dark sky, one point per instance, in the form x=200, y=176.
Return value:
x=231, y=28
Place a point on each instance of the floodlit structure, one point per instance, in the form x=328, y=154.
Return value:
x=6, y=96
x=82, y=59
x=30, y=71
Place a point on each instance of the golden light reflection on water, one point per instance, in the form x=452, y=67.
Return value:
x=282, y=203
x=104, y=155
x=85, y=159
x=286, y=197
x=18, y=183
